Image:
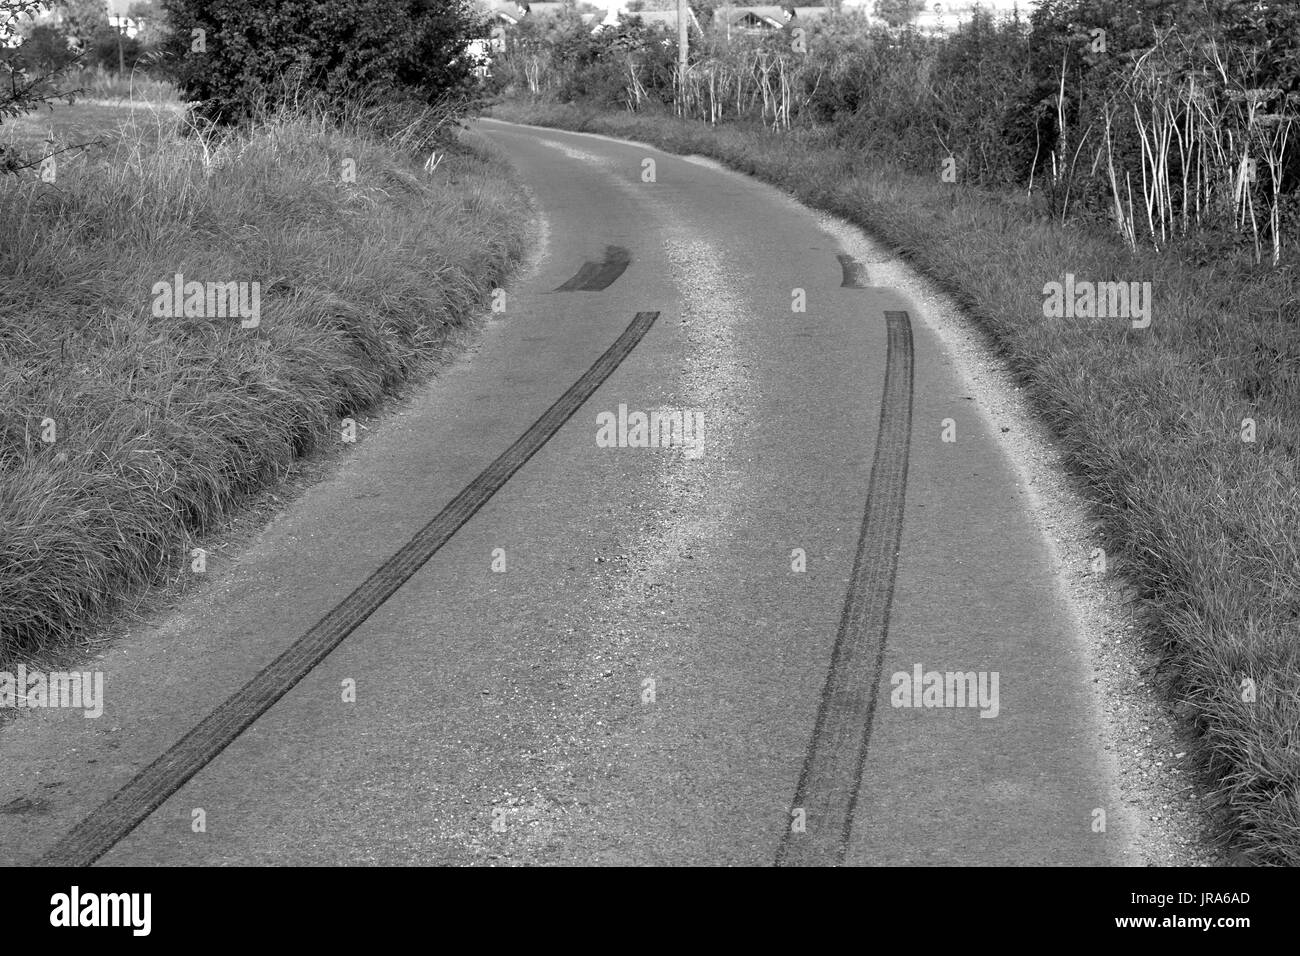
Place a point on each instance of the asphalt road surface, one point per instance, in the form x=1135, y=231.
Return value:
x=709, y=650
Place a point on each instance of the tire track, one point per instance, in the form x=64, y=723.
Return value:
x=827, y=792
x=122, y=812
x=598, y=276
x=854, y=272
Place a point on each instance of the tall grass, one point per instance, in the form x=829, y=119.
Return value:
x=101, y=84
x=160, y=425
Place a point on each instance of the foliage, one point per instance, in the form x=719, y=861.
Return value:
x=46, y=49
x=898, y=12
x=82, y=19
x=233, y=55
x=1173, y=120
x=28, y=82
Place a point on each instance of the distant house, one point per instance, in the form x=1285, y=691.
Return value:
x=500, y=11
x=512, y=12
x=945, y=16
x=117, y=11
x=496, y=15
x=771, y=17
x=808, y=14
x=500, y=15
x=544, y=9
x=119, y=18
x=759, y=18
x=666, y=19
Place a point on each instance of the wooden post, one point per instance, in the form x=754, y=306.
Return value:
x=681, y=55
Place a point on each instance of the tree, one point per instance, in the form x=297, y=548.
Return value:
x=151, y=15
x=45, y=49
x=233, y=54
x=28, y=80
x=82, y=19
x=898, y=13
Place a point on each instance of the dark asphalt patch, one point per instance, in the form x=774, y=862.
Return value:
x=828, y=786
x=122, y=812
x=597, y=276
x=854, y=272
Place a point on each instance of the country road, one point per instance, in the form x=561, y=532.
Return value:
x=620, y=655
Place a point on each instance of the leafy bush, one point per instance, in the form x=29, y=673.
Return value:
x=45, y=49
x=898, y=12
x=233, y=55
x=630, y=64
x=82, y=19
x=110, y=49
x=29, y=76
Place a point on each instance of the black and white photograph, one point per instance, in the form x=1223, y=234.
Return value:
x=650, y=433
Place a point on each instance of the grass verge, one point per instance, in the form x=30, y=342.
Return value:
x=124, y=435
x=1205, y=524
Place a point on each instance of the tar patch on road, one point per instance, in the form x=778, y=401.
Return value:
x=854, y=272
x=597, y=276
x=122, y=812
x=827, y=792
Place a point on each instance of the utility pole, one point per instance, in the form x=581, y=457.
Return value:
x=681, y=56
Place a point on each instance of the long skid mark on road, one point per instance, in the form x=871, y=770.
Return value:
x=124, y=811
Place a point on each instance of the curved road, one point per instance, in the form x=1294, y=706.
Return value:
x=714, y=652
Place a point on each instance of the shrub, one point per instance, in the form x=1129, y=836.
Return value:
x=232, y=55
x=28, y=80
x=46, y=49
x=112, y=50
